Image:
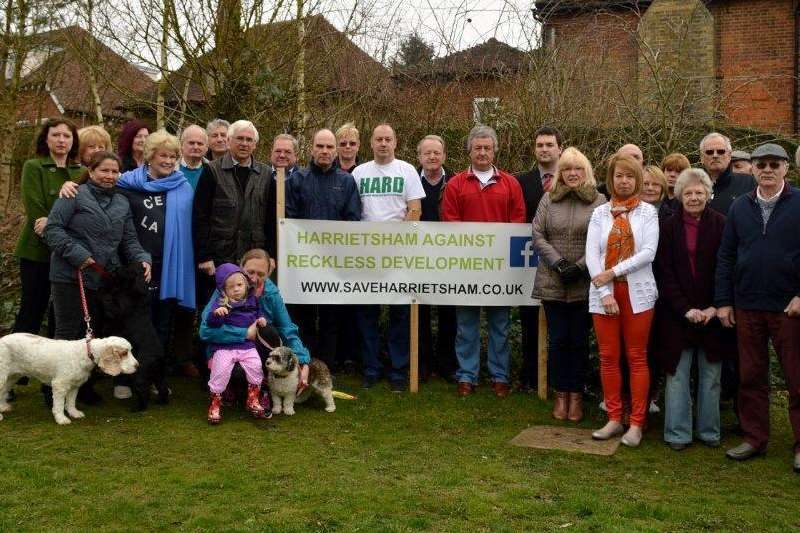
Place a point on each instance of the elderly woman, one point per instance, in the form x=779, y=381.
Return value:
x=562, y=284
x=685, y=325
x=673, y=165
x=161, y=202
x=130, y=145
x=256, y=264
x=88, y=233
x=92, y=139
x=42, y=177
x=620, y=247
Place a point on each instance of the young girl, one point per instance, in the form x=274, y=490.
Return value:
x=237, y=306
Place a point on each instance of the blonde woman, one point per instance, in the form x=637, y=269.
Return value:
x=562, y=281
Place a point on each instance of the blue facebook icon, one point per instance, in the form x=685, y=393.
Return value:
x=522, y=253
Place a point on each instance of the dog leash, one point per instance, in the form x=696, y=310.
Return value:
x=86, y=317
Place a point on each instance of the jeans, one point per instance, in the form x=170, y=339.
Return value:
x=468, y=343
x=368, y=317
x=567, y=344
x=678, y=416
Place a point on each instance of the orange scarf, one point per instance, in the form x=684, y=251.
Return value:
x=620, y=238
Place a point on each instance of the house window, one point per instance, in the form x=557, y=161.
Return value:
x=485, y=110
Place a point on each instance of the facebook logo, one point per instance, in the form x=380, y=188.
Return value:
x=522, y=253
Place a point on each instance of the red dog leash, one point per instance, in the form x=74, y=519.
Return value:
x=86, y=316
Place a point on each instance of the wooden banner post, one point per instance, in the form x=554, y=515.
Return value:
x=413, y=348
x=280, y=203
x=542, y=354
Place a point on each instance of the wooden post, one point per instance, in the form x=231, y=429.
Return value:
x=413, y=351
x=542, y=355
x=280, y=212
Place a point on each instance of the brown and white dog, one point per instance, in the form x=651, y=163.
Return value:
x=64, y=365
x=284, y=375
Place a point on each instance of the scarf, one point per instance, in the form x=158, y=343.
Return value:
x=620, y=238
x=177, y=274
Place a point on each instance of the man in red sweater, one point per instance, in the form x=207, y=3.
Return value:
x=483, y=193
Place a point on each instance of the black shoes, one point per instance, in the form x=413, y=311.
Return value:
x=678, y=446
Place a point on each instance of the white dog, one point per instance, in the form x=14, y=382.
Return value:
x=284, y=375
x=64, y=365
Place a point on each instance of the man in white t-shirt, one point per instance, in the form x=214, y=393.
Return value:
x=390, y=189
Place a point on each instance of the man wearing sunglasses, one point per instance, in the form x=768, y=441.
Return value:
x=715, y=155
x=758, y=289
x=348, y=143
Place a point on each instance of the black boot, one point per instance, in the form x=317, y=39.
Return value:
x=47, y=393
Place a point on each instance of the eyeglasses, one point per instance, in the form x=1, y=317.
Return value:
x=348, y=143
x=774, y=165
x=718, y=151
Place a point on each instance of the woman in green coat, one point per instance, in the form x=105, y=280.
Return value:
x=42, y=178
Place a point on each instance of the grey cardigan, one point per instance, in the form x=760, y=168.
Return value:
x=97, y=224
x=559, y=232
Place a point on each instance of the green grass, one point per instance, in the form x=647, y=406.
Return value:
x=431, y=462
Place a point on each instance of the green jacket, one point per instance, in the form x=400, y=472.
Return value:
x=41, y=182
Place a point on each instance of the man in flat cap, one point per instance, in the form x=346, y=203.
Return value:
x=740, y=162
x=758, y=290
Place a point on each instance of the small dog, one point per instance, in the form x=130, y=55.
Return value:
x=126, y=306
x=284, y=375
x=64, y=365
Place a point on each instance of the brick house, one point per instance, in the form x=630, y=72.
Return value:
x=55, y=79
x=339, y=76
x=464, y=87
x=744, y=52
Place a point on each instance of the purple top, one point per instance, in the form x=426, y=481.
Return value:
x=241, y=314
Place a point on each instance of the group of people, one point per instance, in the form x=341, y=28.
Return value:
x=674, y=266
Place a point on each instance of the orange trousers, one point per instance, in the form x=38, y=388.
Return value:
x=631, y=331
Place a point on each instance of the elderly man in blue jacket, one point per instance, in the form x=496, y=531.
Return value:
x=321, y=191
x=758, y=290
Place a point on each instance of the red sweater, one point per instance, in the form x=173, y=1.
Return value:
x=465, y=201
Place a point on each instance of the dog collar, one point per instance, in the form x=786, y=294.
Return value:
x=89, y=350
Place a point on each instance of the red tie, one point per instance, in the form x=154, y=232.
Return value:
x=547, y=180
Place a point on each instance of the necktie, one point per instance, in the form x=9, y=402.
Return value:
x=547, y=180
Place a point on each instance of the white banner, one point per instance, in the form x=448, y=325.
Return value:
x=448, y=263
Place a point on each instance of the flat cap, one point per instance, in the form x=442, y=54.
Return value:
x=740, y=155
x=770, y=150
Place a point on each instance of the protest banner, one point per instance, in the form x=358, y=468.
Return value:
x=432, y=263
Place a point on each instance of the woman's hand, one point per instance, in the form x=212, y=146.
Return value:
x=261, y=322
x=207, y=268
x=38, y=226
x=709, y=314
x=68, y=190
x=147, y=271
x=221, y=311
x=603, y=278
x=303, y=383
x=252, y=332
x=89, y=261
x=610, y=305
x=695, y=316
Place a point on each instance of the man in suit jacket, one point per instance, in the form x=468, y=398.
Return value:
x=534, y=183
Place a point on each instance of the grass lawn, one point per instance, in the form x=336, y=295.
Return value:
x=431, y=462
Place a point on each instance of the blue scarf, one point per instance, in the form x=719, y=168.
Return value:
x=177, y=273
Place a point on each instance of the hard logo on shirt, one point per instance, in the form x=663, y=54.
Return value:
x=381, y=185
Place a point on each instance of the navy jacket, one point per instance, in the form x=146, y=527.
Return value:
x=759, y=269
x=314, y=194
x=728, y=187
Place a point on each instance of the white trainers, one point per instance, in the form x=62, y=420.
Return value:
x=654, y=408
x=633, y=437
x=122, y=392
x=609, y=431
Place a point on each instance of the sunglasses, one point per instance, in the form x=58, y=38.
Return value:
x=774, y=165
x=348, y=143
x=718, y=151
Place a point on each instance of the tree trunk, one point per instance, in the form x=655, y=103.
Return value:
x=300, y=83
x=163, y=68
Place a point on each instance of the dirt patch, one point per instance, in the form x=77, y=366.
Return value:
x=564, y=438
